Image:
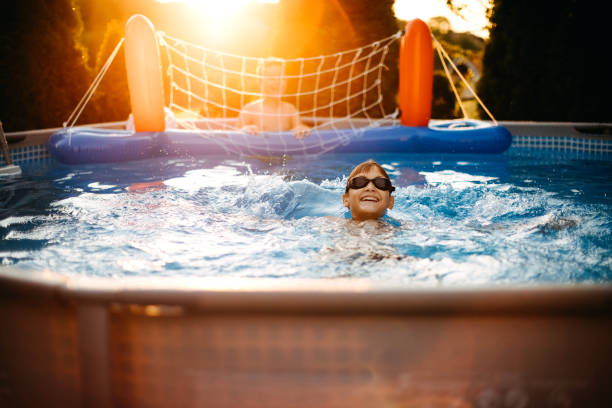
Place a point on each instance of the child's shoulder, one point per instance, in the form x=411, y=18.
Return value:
x=252, y=105
x=289, y=107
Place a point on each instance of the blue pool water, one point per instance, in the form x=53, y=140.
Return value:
x=458, y=220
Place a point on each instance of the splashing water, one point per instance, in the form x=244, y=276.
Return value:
x=466, y=220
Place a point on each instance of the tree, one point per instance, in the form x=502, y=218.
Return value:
x=465, y=49
x=111, y=101
x=444, y=103
x=544, y=61
x=43, y=72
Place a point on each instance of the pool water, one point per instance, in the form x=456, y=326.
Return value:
x=457, y=221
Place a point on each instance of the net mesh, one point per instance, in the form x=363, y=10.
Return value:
x=213, y=90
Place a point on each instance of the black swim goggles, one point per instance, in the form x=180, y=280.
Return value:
x=381, y=183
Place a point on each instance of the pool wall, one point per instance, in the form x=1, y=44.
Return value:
x=93, y=343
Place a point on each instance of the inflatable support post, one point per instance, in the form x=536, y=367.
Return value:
x=144, y=75
x=416, y=74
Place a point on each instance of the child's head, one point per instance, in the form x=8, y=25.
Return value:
x=368, y=191
x=272, y=77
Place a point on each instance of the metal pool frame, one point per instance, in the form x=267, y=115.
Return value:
x=85, y=342
x=71, y=342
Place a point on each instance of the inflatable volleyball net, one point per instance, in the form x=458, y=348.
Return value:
x=327, y=91
x=339, y=96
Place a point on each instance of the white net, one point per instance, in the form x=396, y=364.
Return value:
x=212, y=90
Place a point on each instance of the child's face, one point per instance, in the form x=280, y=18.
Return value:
x=368, y=203
x=273, y=81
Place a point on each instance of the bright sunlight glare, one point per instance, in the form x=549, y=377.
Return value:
x=213, y=8
x=219, y=18
x=474, y=13
x=218, y=8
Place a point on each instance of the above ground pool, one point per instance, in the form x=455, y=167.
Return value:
x=458, y=220
x=233, y=281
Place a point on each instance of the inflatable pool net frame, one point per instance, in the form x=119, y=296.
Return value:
x=91, y=145
x=412, y=133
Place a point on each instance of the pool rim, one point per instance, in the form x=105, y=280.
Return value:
x=284, y=296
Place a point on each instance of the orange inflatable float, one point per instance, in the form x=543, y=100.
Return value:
x=144, y=75
x=416, y=74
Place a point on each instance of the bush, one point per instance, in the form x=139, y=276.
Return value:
x=44, y=71
x=444, y=104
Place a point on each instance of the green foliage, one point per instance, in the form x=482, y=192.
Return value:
x=544, y=61
x=111, y=102
x=459, y=46
x=43, y=72
x=465, y=41
x=444, y=105
x=96, y=15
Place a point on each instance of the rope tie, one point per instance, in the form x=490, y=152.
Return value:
x=441, y=52
x=74, y=116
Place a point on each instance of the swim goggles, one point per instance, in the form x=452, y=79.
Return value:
x=380, y=183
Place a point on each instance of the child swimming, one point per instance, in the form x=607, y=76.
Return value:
x=368, y=192
x=271, y=113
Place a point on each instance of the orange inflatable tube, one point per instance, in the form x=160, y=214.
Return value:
x=416, y=74
x=144, y=75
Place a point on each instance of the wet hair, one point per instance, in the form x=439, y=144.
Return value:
x=364, y=168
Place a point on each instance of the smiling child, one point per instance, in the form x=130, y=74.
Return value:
x=368, y=192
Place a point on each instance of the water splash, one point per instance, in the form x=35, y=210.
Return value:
x=458, y=222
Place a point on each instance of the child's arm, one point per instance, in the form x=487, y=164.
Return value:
x=245, y=121
x=300, y=129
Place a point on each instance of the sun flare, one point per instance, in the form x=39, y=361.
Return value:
x=219, y=21
x=217, y=9
x=474, y=17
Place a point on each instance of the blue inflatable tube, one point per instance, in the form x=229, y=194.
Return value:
x=89, y=145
